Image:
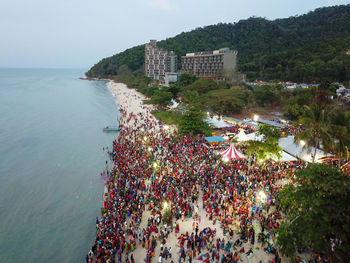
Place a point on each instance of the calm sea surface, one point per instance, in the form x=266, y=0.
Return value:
x=51, y=153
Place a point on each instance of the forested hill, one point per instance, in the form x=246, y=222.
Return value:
x=301, y=48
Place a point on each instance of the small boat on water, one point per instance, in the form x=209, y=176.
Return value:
x=108, y=129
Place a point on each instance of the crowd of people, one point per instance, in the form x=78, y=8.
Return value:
x=157, y=172
x=237, y=127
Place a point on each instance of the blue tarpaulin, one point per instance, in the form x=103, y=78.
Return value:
x=215, y=139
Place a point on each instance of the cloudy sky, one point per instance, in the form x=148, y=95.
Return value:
x=78, y=33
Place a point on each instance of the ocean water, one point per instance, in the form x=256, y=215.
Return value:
x=51, y=156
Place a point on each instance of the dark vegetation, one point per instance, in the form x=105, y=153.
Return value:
x=306, y=48
x=317, y=210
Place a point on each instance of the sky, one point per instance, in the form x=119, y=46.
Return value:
x=78, y=33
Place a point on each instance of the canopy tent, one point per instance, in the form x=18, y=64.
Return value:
x=216, y=122
x=214, y=139
x=232, y=153
x=285, y=141
x=285, y=157
x=174, y=104
x=288, y=145
x=242, y=137
x=255, y=136
x=271, y=123
x=232, y=120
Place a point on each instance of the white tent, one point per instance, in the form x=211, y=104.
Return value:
x=283, y=142
x=285, y=157
x=241, y=136
x=254, y=137
x=288, y=145
x=216, y=122
x=174, y=104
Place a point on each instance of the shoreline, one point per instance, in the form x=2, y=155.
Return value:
x=129, y=99
x=132, y=102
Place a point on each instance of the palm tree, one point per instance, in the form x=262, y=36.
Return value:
x=341, y=131
x=316, y=122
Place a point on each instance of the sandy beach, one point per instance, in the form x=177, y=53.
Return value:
x=132, y=102
x=129, y=99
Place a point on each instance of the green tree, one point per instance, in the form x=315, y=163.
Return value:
x=316, y=213
x=141, y=82
x=161, y=97
x=149, y=90
x=267, y=147
x=266, y=95
x=316, y=122
x=186, y=79
x=125, y=75
x=190, y=97
x=174, y=89
x=269, y=133
x=293, y=111
x=225, y=101
x=202, y=86
x=295, y=101
x=192, y=122
x=340, y=129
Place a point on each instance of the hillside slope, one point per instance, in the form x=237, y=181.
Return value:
x=303, y=48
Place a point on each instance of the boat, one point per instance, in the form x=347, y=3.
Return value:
x=107, y=129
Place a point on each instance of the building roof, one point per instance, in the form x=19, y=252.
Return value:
x=216, y=122
x=271, y=123
x=232, y=119
x=211, y=52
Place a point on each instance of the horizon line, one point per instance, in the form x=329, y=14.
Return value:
x=44, y=67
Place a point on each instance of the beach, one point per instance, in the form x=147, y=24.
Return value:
x=155, y=169
x=129, y=99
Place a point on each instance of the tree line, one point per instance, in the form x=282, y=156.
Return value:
x=311, y=47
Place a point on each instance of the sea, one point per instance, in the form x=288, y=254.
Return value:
x=52, y=153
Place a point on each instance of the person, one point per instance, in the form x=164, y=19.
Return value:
x=165, y=253
x=160, y=258
x=177, y=228
x=190, y=256
x=170, y=252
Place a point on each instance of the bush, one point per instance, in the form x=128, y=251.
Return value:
x=168, y=117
